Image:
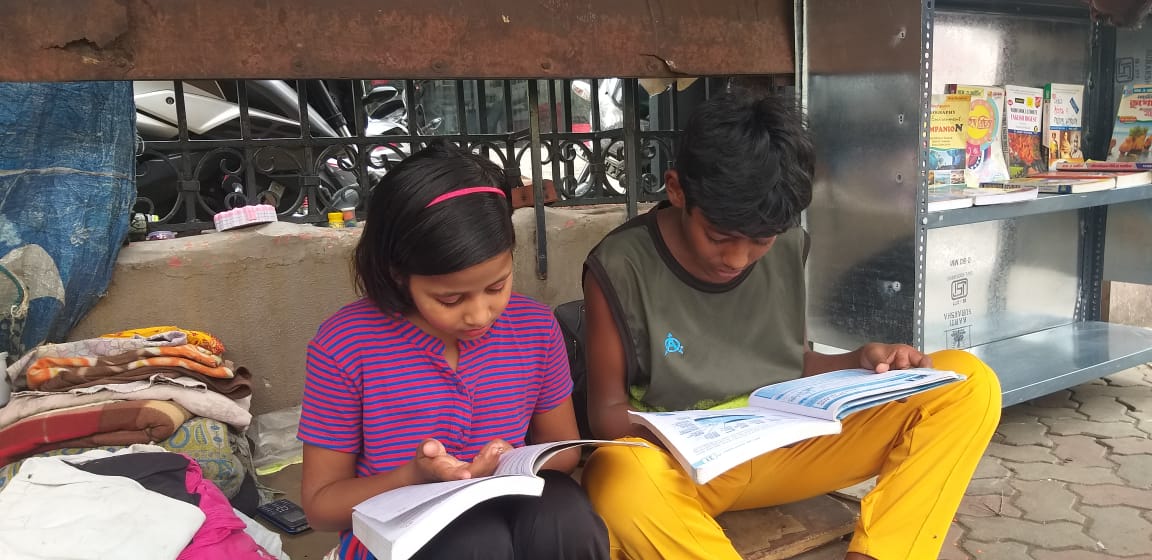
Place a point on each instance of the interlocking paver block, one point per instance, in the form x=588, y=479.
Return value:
x=1129, y=445
x=1121, y=529
x=1095, y=429
x=1099, y=390
x=1113, y=495
x=1145, y=427
x=1133, y=377
x=1021, y=453
x=1059, y=399
x=1138, y=402
x=1065, y=473
x=1053, y=413
x=1038, y=554
x=1104, y=409
x=1058, y=534
x=1046, y=500
x=990, y=467
x=953, y=549
x=990, y=486
x=1023, y=434
x=1017, y=415
x=996, y=551
x=1136, y=469
x=1080, y=450
x=990, y=505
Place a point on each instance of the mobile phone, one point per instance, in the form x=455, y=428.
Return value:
x=285, y=515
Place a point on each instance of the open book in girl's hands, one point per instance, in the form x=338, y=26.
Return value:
x=708, y=443
x=396, y=524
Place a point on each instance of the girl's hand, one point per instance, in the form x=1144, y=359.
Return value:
x=486, y=461
x=883, y=357
x=432, y=462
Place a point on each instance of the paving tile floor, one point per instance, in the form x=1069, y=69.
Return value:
x=1066, y=477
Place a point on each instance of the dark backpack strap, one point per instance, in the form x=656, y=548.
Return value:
x=570, y=316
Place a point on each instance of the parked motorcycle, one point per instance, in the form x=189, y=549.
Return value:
x=610, y=102
x=213, y=113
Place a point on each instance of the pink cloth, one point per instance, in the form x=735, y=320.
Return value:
x=222, y=534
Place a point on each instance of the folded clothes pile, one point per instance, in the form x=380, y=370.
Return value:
x=162, y=385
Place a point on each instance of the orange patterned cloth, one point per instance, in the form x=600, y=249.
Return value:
x=199, y=338
x=187, y=357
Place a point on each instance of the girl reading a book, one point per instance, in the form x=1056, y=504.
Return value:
x=439, y=369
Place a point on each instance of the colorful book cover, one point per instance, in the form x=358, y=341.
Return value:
x=947, y=139
x=1131, y=141
x=1063, y=114
x=1025, y=114
x=985, y=149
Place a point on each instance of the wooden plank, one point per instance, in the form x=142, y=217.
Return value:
x=786, y=531
x=66, y=40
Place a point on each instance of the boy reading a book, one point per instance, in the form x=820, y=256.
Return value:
x=701, y=301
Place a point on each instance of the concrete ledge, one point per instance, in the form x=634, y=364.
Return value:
x=265, y=290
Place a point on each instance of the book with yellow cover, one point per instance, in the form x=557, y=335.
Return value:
x=947, y=139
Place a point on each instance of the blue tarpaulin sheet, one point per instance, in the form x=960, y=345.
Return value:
x=67, y=184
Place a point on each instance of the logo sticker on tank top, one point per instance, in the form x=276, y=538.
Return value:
x=672, y=345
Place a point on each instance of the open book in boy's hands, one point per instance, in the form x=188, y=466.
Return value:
x=396, y=524
x=708, y=443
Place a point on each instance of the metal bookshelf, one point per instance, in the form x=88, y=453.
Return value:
x=1019, y=285
x=1044, y=204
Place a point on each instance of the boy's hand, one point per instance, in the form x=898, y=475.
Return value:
x=432, y=462
x=884, y=357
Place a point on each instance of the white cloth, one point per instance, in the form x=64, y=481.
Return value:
x=269, y=541
x=189, y=393
x=55, y=511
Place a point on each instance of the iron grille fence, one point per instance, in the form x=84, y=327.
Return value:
x=309, y=147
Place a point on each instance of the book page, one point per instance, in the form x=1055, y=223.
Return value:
x=709, y=442
x=826, y=395
x=522, y=460
x=529, y=459
x=394, y=503
x=402, y=536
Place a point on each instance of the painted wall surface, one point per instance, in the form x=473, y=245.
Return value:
x=264, y=291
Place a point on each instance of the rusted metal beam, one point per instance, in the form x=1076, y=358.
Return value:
x=65, y=40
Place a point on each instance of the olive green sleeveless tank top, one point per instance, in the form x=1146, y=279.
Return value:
x=696, y=345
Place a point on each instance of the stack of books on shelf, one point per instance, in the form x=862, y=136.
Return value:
x=1011, y=144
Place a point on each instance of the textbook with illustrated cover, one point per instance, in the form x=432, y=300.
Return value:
x=707, y=443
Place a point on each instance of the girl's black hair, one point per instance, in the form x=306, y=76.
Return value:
x=402, y=236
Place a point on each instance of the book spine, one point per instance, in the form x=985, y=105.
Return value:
x=1105, y=166
x=1056, y=189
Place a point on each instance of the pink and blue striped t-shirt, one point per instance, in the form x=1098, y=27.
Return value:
x=377, y=386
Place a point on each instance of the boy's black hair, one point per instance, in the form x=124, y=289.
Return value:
x=402, y=236
x=745, y=162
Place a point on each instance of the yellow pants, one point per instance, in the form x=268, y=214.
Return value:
x=923, y=452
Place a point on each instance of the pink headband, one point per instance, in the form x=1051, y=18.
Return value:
x=461, y=192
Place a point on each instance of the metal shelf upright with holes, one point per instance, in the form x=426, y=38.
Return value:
x=1018, y=285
